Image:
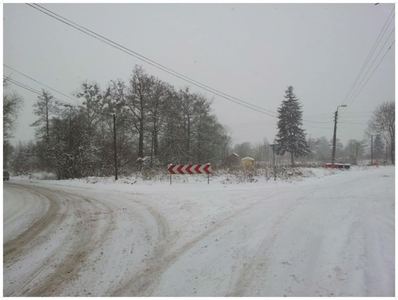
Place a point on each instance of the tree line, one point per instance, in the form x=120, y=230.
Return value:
x=353, y=152
x=155, y=125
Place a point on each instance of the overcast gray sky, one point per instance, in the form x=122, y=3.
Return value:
x=249, y=51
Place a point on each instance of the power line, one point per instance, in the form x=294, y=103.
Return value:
x=39, y=82
x=344, y=133
x=156, y=64
x=26, y=87
x=373, y=72
x=358, y=113
x=342, y=122
x=151, y=62
x=364, y=119
x=349, y=114
x=370, y=53
x=321, y=115
x=355, y=117
x=352, y=99
x=321, y=118
x=351, y=127
x=319, y=122
x=22, y=85
x=318, y=127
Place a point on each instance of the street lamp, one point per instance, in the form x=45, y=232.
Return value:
x=334, y=134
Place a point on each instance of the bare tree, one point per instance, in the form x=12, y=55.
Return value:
x=44, y=106
x=92, y=105
x=161, y=92
x=243, y=149
x=12, y=104
x=383, y=122
x=137, y=102
x=151, y=119
x=354, y=150
x=225, y=145
x=125, y=141
x=378, y=147
x=172, y=138
x=187, y=106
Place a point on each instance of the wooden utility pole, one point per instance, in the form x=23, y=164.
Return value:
x=114, y=141
x=334, y=139
x=371, y=149
x=334, y=134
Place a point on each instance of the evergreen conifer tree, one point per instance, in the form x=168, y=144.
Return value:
x=291, y=137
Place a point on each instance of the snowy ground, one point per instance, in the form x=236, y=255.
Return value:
x=331, y=234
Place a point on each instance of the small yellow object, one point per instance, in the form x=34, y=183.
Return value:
x=248, y=163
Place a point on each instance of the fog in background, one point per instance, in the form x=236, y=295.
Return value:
x=249, y=51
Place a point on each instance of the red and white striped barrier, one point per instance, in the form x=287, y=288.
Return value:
x=190, y=169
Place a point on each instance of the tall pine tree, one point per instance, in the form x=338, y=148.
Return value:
x=291, y=137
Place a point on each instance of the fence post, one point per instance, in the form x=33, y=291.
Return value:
x=169, y=168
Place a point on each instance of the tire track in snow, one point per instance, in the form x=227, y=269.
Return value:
x=17, y=246
x=257, y=267
x=144, y=282
x=18, y=215
x=258, y=262
x=90, y=237
x=147, y=278
x=67, y=258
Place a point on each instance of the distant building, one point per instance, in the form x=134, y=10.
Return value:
x=233, y=157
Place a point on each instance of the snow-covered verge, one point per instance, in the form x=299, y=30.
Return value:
x=328, y=234
x=284, y=174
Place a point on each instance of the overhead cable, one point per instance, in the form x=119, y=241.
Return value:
x=364, y=76
x=376, y=43
x=156, y=64
x=151, y=62
x=372, y=72
x=26, y=87
x=39, y=82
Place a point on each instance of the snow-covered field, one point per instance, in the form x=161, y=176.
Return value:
x=331, y=234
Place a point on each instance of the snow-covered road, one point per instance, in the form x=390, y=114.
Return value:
x=324, y=236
